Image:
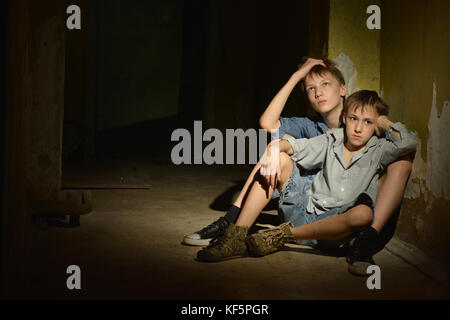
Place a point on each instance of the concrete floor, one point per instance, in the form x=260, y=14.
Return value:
x=130, y=247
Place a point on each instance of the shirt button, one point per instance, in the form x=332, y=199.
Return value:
x=324, y=201
x=342, y=189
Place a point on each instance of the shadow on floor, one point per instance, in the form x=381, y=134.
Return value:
x=223, y=201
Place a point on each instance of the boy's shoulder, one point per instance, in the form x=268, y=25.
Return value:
x=310, y=126
x=311, y=120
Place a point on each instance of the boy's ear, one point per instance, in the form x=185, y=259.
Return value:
x=343, y=92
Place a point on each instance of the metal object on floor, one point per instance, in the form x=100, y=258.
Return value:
x=73, y=203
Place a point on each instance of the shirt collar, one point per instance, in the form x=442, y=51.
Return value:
x=321, y=126
x=338, y=134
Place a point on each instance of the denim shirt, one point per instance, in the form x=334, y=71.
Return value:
x=301, y=127
x=336, y=185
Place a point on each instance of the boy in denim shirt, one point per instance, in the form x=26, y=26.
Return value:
x=340, y=201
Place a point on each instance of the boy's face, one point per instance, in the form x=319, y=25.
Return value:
x=324, y=92
x=359, y=126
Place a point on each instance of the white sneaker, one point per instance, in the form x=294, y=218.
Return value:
x=204, y=236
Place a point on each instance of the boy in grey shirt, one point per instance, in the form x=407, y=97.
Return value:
x=340, y=201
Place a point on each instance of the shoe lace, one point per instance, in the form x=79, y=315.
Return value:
x=219, y=241
x=359, y=251
x=273, y=236
x=220, y=223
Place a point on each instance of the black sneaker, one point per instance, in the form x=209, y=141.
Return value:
x=204, y=236
x=361, y=248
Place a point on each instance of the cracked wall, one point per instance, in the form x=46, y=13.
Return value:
x=415, y=82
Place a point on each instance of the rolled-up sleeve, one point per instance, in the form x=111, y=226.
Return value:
x=309, y=153
x=396, y=147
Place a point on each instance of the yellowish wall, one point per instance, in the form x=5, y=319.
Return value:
x=352, y=45
x=415, y=65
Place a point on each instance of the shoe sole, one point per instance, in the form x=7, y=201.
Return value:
x=253, y=250
x=244, y=255
x=359, y=269
x=196, y=242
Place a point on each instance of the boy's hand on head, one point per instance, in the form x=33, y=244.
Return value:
x=307, y=66
x=383, y=124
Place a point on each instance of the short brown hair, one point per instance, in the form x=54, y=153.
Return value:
x=363, y=98
x=321, y=70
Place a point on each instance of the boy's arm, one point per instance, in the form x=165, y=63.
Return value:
x=383, y=125
x=402, y=141
x=309, y=153
x=270, y=119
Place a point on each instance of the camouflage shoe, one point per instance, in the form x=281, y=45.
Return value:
x=267, y=241
x=227, y=246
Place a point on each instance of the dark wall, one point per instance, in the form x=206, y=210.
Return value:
x=4, y=9
x=259, y=47
x=33, y=124
x=155, y=66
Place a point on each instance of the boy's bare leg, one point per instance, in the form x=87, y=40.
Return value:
x=245, y=188
x=202, y=237
x=336, y=227
x=260, y=194
x=233, y=242
x=391, y=188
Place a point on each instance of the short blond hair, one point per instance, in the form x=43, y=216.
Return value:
x=363, y=98
x=320, y=70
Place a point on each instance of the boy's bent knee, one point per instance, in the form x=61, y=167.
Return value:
x=285, y=159
x=361, y=216
x=400, y=168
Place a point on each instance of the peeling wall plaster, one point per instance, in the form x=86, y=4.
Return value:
x=438, y=150
x=348, y=69
x=431, y=178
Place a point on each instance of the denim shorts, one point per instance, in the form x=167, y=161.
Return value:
x=293, y=203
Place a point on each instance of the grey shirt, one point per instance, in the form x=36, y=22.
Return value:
x=335, y=185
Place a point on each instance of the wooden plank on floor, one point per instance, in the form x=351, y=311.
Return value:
x=89, y=186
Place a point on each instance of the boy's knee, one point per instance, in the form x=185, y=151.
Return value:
x=285, y=160
x=361, y=216
x=401, y=168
